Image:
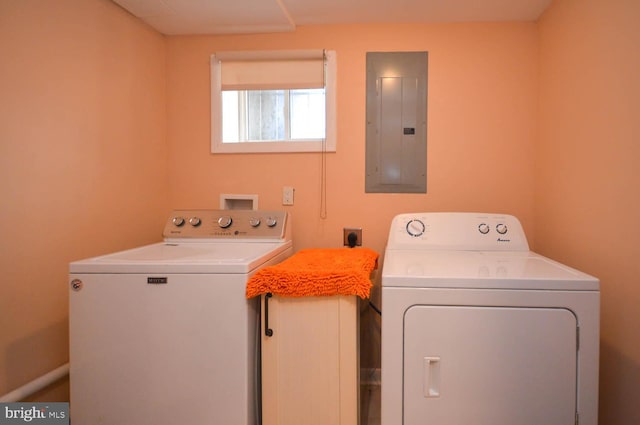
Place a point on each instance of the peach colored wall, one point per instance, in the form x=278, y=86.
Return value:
x=481, y=128
x=83, y=162
x=481, y=132
x=587, y=180
x=93, y=107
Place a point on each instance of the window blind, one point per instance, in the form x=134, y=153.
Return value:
x=270, y=70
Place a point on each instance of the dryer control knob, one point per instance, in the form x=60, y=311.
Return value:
x=501, y=228
x=254, y=221
x=225, y=221
x=178, y=221
x=483, y=228
x=415, y=228
x=195, y=221
x=272, y=221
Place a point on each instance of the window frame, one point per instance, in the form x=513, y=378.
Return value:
x=280, y=146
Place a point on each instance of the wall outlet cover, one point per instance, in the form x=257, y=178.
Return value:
x=348, y=230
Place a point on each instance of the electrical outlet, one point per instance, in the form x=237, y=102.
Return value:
x=348, y=230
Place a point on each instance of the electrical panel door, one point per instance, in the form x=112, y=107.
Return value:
x=396, y=157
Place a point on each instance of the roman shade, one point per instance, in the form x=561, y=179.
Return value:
x=271, y=70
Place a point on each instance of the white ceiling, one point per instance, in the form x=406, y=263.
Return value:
x=173, y=17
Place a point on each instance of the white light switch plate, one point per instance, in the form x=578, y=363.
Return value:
x=287, y=195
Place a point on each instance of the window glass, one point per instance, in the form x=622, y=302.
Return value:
x=307, y=114
x=273, y=115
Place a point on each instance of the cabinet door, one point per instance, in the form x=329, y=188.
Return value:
x=489, y=366
x=310, y=361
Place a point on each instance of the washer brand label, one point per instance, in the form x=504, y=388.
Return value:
x=35, y=413
x=504, y=240
x=157, y=280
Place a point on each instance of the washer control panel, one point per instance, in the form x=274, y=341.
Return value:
x=238, y=225
x=459, y=231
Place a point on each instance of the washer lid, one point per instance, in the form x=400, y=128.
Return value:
x=203, y=257
x=481, y=269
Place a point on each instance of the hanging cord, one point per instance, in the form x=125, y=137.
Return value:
x=323, y=166
x=323, y=182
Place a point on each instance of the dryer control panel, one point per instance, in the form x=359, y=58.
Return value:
x=232, y=225
x=457, y=231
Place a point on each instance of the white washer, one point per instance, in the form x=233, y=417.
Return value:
x=477, y=329
x=163, y=334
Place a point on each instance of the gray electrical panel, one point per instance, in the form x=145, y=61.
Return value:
x=396, y=135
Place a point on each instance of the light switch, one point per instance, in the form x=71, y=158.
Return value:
x=287, y=195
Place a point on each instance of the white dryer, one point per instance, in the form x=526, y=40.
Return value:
x=477, y=329
x=163, y=334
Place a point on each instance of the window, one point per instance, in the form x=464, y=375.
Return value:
x=273, y=101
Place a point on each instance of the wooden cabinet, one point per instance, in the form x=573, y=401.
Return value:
x=310, y=363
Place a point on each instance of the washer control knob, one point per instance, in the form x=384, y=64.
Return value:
x=272, y=221
x=254, y=221
x=415, y=228
x=178, y=221
x=501, y=228
x=225, y=221
x=483, y=228
x=195, y=221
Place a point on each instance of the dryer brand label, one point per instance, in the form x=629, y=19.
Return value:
x=157, y=280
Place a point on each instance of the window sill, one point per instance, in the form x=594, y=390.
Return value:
x=272, y=147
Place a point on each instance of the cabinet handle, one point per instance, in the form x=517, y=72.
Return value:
x=267, y=331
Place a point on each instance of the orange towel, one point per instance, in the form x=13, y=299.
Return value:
x=317, y=272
